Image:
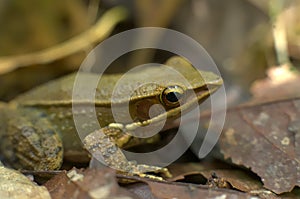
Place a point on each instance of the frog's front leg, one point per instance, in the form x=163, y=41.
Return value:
x=30, y=141
x=102, y=142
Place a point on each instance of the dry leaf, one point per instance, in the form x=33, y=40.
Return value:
x=182, y=171
x=190, y=191
x=265, y=138
x=219, y=174
x=281, y=83
x=150, y=189
x=238, y=179
x=88, y=184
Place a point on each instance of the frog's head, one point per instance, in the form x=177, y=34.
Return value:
x=177, y=92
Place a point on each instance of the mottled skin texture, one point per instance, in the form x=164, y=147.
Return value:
x=39, y=128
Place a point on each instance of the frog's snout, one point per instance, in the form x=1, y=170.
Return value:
x=216, y=83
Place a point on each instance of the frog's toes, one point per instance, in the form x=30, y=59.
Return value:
x=103, y=148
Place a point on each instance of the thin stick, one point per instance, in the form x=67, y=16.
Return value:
x=96, y=33
x=279, y=31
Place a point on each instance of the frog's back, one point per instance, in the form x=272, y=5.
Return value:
x=60, y=91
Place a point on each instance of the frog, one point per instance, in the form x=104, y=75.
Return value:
x=37, y=129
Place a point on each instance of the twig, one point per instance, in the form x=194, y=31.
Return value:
x=279, y=31
x=95, y=34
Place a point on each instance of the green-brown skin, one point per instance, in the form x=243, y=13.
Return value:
x=37, y=128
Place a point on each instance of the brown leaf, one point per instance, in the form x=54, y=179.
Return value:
x=88, y=184
x=14, y=185
x=281, y=83
x=161, y=190
x=238, y=179
x=182, y=171
x=190, y=191
x=266, y=138
x=219, y=174
x=141, y=189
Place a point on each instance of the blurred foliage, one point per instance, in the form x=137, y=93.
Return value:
x=237, y=34
x=33, y=25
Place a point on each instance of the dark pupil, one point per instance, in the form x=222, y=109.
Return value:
x=173, y=96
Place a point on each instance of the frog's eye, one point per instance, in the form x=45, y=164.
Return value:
x=172, y=95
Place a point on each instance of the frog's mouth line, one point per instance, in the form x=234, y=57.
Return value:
x=191, y=102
